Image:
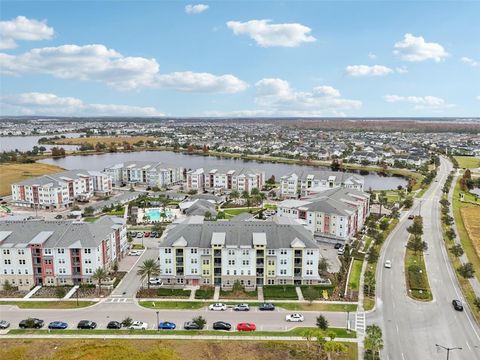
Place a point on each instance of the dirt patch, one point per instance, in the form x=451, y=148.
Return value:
x=12, y=293
x=471, y=220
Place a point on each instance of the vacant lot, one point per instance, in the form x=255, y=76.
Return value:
x=468, y=162
x=471, y=219
x=12, y=173
x=105, y=140
x=157, y=349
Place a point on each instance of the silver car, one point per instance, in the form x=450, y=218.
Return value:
x=4, y=324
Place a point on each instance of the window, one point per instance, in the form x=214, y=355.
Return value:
x=168, y=251
x=7, y=262
x=21, y=252
x=22, y=262
x=6, y=252
x=283, y=272
x=283, y=262
x=231, y=262
x=271, y=262
x=193, y=261
x=60, y=251
x=231, y=252
x=309, y=272
x=168, y=261
x=61, y=261
x=206, y=262
x=283, y=252
x=246, y=262
x=47, y=251
x=245, y=252
x=193, y=251
x=87, y=251
x=309, y=252
x=271, y=252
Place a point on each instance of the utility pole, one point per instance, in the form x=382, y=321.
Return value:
x=158, y=322
x=448, y=349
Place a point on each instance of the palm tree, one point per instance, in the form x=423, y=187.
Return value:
x=373, y=340
x=148, y=269
x=100, y=275
x=369, y=281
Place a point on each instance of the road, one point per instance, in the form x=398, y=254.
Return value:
x=119, y=309
x=412, y=328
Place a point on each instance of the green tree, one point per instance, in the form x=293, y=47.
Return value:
x=100, y=275
x=309, y=335
x=457, y=250
x=127, y=322
x=310, y=294
x=373, y=340
x=60, y=292
x=115, y=267
x=322, y=322
x=369, y=282
x=323, y=266
x=200, y=321
x=7, y=286
x=466, y=270
x=148, y=269
x=88, y=211
x=476, y=302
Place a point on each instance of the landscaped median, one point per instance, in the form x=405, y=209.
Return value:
x=294, y=306
x=416, y=276
x=49, y=304
x=298, y=331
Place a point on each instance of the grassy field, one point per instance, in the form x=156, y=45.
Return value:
x=280, y=292
x=471, y=220
x=418, y=287
x=173, y=304
x=468, y=162
x=53, y=349
x=48, y=304
x=462, y=231
x=318, y=307
x=298, y=331
x=106, y=140
x=233, y=212
x=13, y=172
x=354, y=280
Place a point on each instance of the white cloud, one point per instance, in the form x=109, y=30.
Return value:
x=470, y=61
x=415, y=48
x=401, y=69
x=195, y=9
x=372, y=56
x=22, y=28
x=35, y=103
x=266, y=34
x=204, y=82
x=275, y=96
x=420, y=102
x=366, y=70
x=98, y=63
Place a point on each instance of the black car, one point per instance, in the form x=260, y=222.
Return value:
x=266, y=307
x=190, y=325
x=31, y=324
x=86, y=324
x=59, y=217
x=411, y=217
x=337, y=246
x=114, y=325
x=457, y=305
x=221, y=325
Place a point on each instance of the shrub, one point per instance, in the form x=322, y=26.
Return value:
x=322, y=322
x=127, y=322
x=200, y=321
x=466, y=270
x=60, y=292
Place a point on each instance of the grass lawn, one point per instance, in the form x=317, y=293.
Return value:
x=354, y=280
x=466, y=242
x=233, y=212
x=138, y=247
x=14, y=172
x=418, y=287
x=49, y=304
x=180, y=293
x=173, y=304
x=205, y=292
x=319, y=290
x=238, y=294
x=471, y=220
x=90, y=219
x=298, y=331
x=468, y=162
x=280, y=292
x=318, y=307
x=70, y=349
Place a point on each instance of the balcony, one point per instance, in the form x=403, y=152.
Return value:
x=260, y=262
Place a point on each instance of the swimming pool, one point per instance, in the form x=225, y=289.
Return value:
x=156, y=214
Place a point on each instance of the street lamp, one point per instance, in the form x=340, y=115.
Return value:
x=448, y=349
x=158, y=322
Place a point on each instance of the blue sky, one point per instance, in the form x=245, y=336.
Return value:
x=228, y=58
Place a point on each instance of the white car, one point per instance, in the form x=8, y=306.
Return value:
x=155, y=281
x=217, y=307
x=341, y=250
x=138, y=325
x=388, y=264
x=135, y=253
x=294, y=318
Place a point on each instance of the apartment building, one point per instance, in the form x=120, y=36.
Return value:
x=198, y=252
x=228, y=179
x=334, y=215
x=309, y=183
x=151, y=173
x=49, y=253
x=60, y=189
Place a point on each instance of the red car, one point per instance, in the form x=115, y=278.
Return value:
x=246, y=327
x=147, y=234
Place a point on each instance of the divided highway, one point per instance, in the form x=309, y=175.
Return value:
x=412, y=328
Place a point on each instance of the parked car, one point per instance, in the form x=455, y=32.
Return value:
x=242, y=307
x=138, y=325
x=411, y=217
x=31, y=323
x=167, y=325
x=266, y=307
x=246, y=327
x=59, y=217
x=217, y=307
x=190, y=325
x=146, y=234
x=337, y=246
x=86, y=324
x=139, y=234
x=155, y=281
x=114, y=325
x=133, y=234
x=57, y=325
x=295, y=318
x=388, y=264
x=221, y=325
x=157, y=235
x=4, y=324
x=134, y=253
x=153, y=234
x=457, y=305
x=341, y=250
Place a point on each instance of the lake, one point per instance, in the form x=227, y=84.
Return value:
x=99, y=162
x=25, y=143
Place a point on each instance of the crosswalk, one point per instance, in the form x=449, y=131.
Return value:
x=360, y=323
x=119, y=301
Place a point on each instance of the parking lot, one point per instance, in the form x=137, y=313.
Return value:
x=328, y=251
